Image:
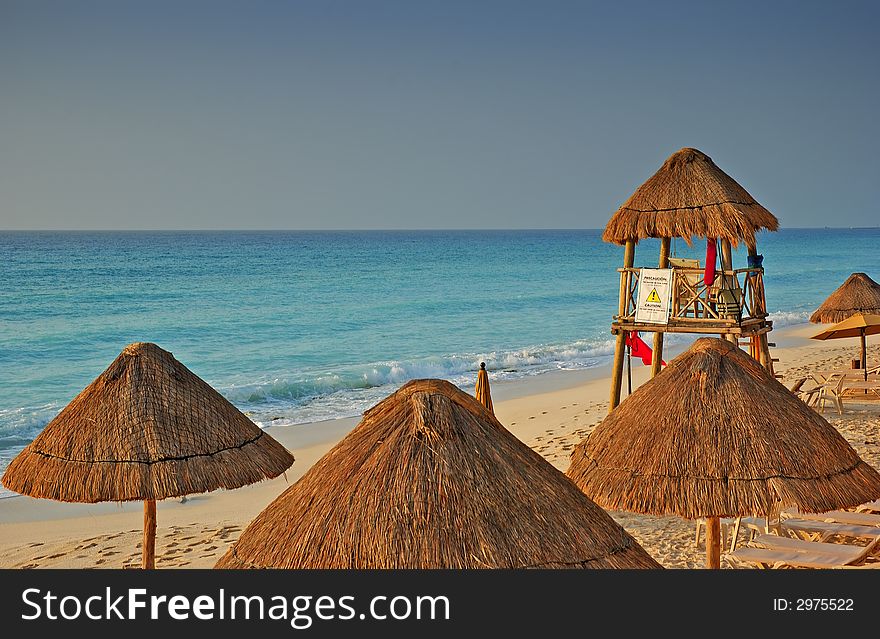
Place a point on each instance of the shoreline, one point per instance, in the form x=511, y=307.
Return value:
x=550, y=412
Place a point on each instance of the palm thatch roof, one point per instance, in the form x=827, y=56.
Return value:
x=690, y=196
x=146, y=428
x=715, y=435
x=858, y=294
x=430, y=479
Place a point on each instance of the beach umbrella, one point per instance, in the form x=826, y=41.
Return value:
x=716, y=435
x=690, y=196
x=859, y=325
x=858, y=294
x=482, y=393
x=146, y=429
x=430, y=479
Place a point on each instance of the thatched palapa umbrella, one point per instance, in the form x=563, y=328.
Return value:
x=147, y=428
x=859, y=325
x=715, y=435
x=858, y=294
x=482, y=392
x=689, y=196
x=430, y=479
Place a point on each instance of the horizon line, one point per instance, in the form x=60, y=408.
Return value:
x=379, y=230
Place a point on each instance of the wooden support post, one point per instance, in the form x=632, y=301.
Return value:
x=656, y=361
x=726, y=265
x=766, y=357
x=864, y=356
x=713, y=542
x=149, y=561
x=620, y=347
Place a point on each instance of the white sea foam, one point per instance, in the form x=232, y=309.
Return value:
x=789, y=318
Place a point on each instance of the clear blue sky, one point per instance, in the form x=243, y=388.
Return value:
x=379, y=114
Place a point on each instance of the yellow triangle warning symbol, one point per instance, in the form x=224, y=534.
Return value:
x=653, y=297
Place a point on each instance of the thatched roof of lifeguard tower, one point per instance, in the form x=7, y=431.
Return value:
x=430, y=479
x=858, y=294
x=716, y=435
x=146, y=428
x=690, y=196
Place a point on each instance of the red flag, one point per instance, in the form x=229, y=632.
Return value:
x=639, y=348
x=711, y=255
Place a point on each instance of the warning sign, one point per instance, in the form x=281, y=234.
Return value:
x=652, y=297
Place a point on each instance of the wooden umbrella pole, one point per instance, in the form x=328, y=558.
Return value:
x=713, y=542
x=149, y=561
x=617, y=370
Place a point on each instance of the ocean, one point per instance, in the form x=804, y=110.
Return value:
x=297, y=327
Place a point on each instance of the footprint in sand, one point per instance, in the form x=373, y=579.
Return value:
x=532, y=417
x=55, y=556
x=29, y=566
x=39, y=543
x=543, y=412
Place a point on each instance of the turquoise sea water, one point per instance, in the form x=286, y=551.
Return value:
x=295, y=327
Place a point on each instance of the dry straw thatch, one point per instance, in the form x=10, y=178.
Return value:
x=858, y=294
x=430, y=479
x=715, y=435
x=690, y=196
x=147, y=428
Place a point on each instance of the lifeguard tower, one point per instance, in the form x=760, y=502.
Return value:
x=690, y=196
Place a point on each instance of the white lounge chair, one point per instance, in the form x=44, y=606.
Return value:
x=839, y=516
x=773, y=551
x=870, y=507
x=817, y=530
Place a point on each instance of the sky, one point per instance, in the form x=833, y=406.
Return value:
x=378, y=114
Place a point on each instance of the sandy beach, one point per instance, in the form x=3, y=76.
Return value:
x=551, y=413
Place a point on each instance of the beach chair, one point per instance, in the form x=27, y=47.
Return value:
x=727, y=302
x=870, y=507
x=734, y=525
x=726, y=523
x=838, y=516
x=773, y=551
x=686, y=284
x=816, y=530
x=858, y=388
x=825, y=392
x=809, y=395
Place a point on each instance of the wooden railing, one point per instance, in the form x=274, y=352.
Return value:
x=733, y=297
